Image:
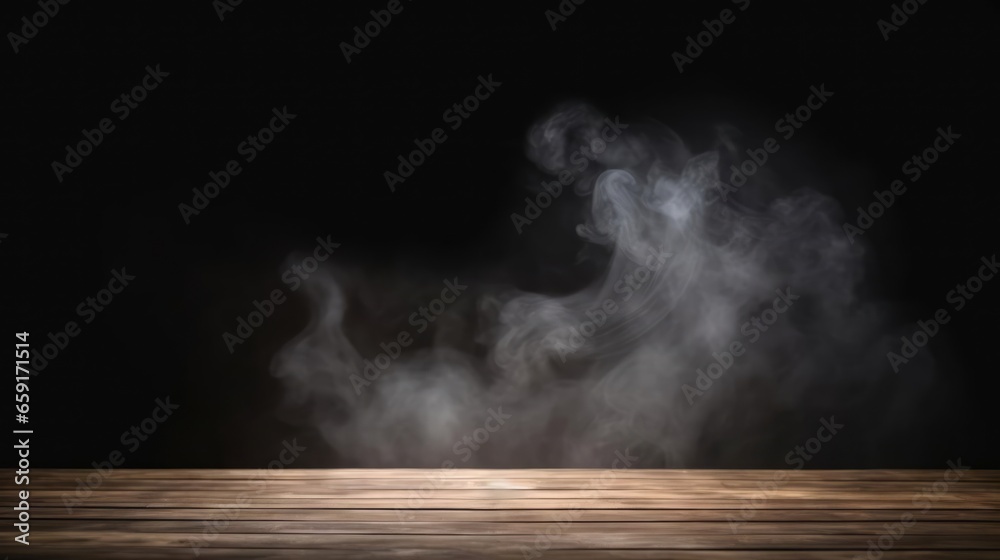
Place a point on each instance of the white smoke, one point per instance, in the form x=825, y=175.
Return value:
x=683, y=274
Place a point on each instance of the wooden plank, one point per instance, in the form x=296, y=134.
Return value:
x=930, y=475
x=218, y=553
x=566, y=525
x=312, y=495
x=721, y=541
x=595, y=503
x=505, y=515
x=115, y=483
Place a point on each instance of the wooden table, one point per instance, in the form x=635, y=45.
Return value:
x=553, y=514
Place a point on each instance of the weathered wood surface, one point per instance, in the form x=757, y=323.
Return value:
x=557, y=514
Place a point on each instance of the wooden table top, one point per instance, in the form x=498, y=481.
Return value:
x=948, y=514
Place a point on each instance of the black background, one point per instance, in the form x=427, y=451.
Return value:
x=323, y=176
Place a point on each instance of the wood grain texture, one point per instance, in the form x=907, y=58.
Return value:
x=557, y=514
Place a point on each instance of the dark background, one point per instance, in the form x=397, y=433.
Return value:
x=323, y=176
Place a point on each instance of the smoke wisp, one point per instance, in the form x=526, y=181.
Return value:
x=714, y=329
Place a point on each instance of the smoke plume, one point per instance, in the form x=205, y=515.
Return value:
x=644, y=358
